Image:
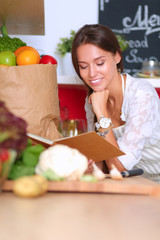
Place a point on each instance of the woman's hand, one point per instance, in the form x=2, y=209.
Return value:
x=99, y=102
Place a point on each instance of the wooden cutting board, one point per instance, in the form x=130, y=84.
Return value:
x=130, y=185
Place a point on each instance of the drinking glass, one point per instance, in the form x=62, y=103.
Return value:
x=73, y=127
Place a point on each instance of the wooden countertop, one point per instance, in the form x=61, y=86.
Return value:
x=130, y=185
x=80, y=216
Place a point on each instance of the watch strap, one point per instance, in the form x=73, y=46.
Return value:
x=97, y=125
x=104, y=132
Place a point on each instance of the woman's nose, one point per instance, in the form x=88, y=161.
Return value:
x=92, y=71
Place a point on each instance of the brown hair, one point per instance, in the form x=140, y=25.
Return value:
x=99, y=35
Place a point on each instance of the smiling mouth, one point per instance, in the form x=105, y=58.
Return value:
x=95, y=81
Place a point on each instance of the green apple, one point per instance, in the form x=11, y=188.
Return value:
x=8, y=58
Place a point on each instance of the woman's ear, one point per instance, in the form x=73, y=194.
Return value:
x=117, y=57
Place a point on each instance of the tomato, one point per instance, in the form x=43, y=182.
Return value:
x=47, y=59
x=8, y=58
x=4, y=154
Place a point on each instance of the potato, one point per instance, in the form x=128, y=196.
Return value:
x=42, y=182
x=30, y=186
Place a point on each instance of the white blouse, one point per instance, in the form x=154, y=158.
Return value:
x=139, y=137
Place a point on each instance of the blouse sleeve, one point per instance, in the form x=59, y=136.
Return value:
x=89, y=116
x=142, y=115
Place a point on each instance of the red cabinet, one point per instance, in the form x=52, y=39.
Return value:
x=158, y=91
x=72, y=100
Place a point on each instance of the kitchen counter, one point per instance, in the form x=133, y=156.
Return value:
x=80, y=216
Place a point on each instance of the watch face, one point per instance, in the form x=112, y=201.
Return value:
x=104, y=122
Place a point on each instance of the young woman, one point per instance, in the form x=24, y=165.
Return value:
x=122, y=109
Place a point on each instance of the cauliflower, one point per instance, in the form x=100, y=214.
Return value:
x=64, y=161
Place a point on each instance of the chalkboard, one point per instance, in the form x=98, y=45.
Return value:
x=139, y=23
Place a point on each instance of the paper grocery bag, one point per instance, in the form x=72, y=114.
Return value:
x=31, y=92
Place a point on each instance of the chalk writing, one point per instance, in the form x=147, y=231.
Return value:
x=139, y=23
x=138, y=43
x=150, y=24
x=101, y=5
x=133, y=58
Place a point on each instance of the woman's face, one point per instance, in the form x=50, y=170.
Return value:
x=97, y=67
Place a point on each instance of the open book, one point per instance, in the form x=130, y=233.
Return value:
x=90, y=144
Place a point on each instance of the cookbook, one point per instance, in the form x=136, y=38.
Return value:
x=90, y=144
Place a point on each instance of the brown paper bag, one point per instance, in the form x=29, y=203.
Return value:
x=31, y=92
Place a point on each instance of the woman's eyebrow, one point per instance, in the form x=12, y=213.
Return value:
x=94, y=59
x=81, y=62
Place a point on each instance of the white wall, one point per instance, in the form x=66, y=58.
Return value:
x=60, y=17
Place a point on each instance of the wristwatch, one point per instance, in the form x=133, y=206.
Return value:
x=103, y=122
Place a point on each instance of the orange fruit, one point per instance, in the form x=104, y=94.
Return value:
x=20, y=49
x=27, y=57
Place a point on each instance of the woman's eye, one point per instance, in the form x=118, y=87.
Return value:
x=82, y=67
x=100, y=64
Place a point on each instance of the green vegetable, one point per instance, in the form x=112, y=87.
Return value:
x=26, y=161
x=20, y=170
x=31, y=155
x=88, y=178
x=7, y=43
x=7, y=157
x=52, y=176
